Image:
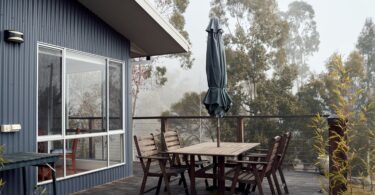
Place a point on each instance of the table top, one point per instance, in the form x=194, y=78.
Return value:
x=22, y=159
x=211, y=149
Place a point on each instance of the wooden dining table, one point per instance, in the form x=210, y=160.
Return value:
x=226, y=149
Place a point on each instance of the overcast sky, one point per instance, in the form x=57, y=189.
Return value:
x=339, y=23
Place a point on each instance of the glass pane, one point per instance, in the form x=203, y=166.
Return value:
x=49, y=91
x=115, y=95
x=55, y=147
x=116, y=149
x=85, y=93
x=85, y=154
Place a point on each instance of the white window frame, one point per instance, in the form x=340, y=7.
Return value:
x=63, y=137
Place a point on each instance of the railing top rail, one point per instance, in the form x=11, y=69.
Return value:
x=92, y=117
x=233, y=116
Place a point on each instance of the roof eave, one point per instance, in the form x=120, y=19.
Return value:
x=120, y=14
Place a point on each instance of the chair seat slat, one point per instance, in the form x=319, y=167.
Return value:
x=171, y=139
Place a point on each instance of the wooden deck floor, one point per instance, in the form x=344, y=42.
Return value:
x=299, y=183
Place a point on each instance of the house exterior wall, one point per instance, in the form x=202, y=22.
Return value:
x=64, y=23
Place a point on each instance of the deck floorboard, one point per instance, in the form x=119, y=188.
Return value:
x=299, y=183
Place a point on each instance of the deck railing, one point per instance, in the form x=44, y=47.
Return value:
x=240, y=131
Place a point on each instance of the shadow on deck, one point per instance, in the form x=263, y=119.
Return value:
x=299, y=183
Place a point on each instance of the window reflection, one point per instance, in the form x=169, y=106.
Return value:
x=115, y=95
x=93, y=94
x=85, y=93
x=85, y=154
x=116, y=149
x=49, y=91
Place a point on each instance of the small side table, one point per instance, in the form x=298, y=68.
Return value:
x=21, y=160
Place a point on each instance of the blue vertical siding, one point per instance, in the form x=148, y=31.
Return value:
x=64, y=23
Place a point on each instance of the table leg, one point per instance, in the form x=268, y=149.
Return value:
x=214, y=171
x=221, y=190
x=241, y=186
x=23, y=175
x=192, y=175
x=53, y=178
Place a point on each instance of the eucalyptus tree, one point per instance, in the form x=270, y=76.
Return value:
x=255, y=38
x=366, y=45
x=303, y=38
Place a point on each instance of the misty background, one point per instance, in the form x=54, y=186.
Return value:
x=339, y=23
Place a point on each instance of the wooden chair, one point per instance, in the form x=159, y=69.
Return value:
x=71, y=154
x=44, y=173
x=171, y=140
x=147, y=153
x=284, y=143
x=253, y=172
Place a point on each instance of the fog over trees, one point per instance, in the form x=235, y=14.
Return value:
x=268, y=52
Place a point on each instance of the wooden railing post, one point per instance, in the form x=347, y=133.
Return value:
x=163, y=129
x=164, y=125
x=91, y=149
x=337, y=155
x=240, y=130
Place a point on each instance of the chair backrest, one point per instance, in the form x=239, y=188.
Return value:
x=284, y=143
x=171, y=140
x=272, y=154
x=146, y=146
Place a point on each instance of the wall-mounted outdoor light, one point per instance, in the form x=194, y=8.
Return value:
x=13, y=36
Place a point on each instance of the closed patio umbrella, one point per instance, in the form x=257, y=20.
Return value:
x=217, y=100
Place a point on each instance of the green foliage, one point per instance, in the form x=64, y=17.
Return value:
x=254, y=45
x=310, y=98
x=173, y=10
x=40, y=190
x=192, y=130
x=321, y=135
x=160, y=74
x=320, y=147
x=2, y=161
x=343, y=95
x=265, y=51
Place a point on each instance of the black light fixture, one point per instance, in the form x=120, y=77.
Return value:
x=148, y=58
x=13, y=36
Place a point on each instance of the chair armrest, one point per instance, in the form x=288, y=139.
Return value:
x=256, y=155
x=165, y=153
x=154, y=157
x=249, y=162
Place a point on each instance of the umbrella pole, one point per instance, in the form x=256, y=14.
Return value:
x=218, y=132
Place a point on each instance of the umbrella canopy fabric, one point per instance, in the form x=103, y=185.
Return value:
x=217, y=100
